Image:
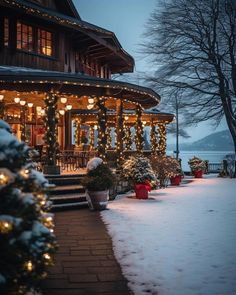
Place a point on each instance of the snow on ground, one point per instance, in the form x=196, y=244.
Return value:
x=180, y=242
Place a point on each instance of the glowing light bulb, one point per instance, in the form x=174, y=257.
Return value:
x=62, y=112
x=126, y=118
x=69, y=107
x=95, y=127
x=63, y=100
x=1, y=97
x=22, y=102
x=90, y=106
x=91, y=100
x=16, y=99
x=30, y=104
x=29, y=266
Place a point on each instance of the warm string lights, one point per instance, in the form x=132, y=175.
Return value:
x=23, y=122
x=102, y=128
x=153, y=139
x=77, y=132
x=119, y=133
x=51, y=121
x=139, y=141
x=109, y=139
x=91, y=136
x=128, y=138
x=162, y=139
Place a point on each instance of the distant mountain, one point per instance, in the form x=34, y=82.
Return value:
x=218, y=141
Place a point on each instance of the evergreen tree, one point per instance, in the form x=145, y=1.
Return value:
x=26, y=230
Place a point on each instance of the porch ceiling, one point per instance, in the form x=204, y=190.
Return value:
x=30, y=80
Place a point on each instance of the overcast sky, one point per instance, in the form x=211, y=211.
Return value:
x=127, y=18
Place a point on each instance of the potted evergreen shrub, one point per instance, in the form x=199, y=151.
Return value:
x=139, y=171
x=98, y=180
x=197, y=166
x=167, y=169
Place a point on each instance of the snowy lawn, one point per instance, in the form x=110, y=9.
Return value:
x=180, y=242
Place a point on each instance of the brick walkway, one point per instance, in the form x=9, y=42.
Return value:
x=84, y=262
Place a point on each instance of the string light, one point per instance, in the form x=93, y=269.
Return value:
x=5, y=227
x=162, y=138
x=139, y=141
x=29, y=265
x=153, y=136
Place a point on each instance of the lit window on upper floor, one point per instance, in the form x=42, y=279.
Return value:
x=44, y=42
x=6, y=31
x=24, y=39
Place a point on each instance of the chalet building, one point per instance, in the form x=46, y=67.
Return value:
x=56, y=89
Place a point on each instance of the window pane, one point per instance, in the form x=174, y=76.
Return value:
x=6, y=31
x=45, y=42
x=24, y=37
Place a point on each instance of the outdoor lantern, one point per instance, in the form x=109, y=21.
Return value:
x=1, y=97
x=69, y=107
x=126, y=118
x=16, y=99
x=22, y=102
x=91, y=100
x=90, y=106
x=63, y=100
x=62, y=112
x=38, y=109
x=95, y=127
x=30, y=104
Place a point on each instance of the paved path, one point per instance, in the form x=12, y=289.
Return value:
x=84, y=262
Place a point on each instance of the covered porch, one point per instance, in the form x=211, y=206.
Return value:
x=70, y=118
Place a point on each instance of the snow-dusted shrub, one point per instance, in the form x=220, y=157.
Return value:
x=197, y=164
x=165, y=167
x=26, y=238
x=139, y=170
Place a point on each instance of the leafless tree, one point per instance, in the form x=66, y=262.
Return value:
x=192, y=46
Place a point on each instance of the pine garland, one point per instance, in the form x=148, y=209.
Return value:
x=51, y=121
x=139, y=141
x=102, y=128
x=153, y=136
x=162, y=139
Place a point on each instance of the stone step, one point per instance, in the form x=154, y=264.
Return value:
x=67, y=189
x=70, y=198
x=68, y=206
x=60, y=181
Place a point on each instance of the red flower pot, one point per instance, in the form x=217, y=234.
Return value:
x=175, y=180
x=141, y=190
x=198, y=173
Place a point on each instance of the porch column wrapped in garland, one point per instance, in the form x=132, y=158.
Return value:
x=51, y=121
x=139, y=141
x=77, y=132
x=102, y=128
x=128, y=138
x=91, y=136
x=119, y=132
x=153, y=139
x=22, y=123
x=109, y=139
x=162, y=139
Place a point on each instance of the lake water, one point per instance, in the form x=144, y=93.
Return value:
x=212, y=157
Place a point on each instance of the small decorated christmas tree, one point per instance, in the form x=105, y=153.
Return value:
x=26, y=230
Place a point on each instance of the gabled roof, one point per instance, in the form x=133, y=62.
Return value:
x=106, y=39
x=62, y=6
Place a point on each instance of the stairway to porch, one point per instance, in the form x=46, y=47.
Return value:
x=68, y=192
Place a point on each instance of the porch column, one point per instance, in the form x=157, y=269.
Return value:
x=162, y=139
x=108, y=138
x=77, y=132
x=22, y=123
x=153, y=139
x=139, y=141
x=51, y=121
x=119, y=132
x=68, y=125
x=128, y=138
x=102, y=128
x=1, y=107
x=91, y=136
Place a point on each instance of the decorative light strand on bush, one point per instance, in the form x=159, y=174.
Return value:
x=128, y=138
x=119, y=133
x=77, y=131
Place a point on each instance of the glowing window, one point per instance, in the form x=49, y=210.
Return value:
x=44, y=42
x=6, y=31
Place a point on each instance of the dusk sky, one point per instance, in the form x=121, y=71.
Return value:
x=127, y=20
